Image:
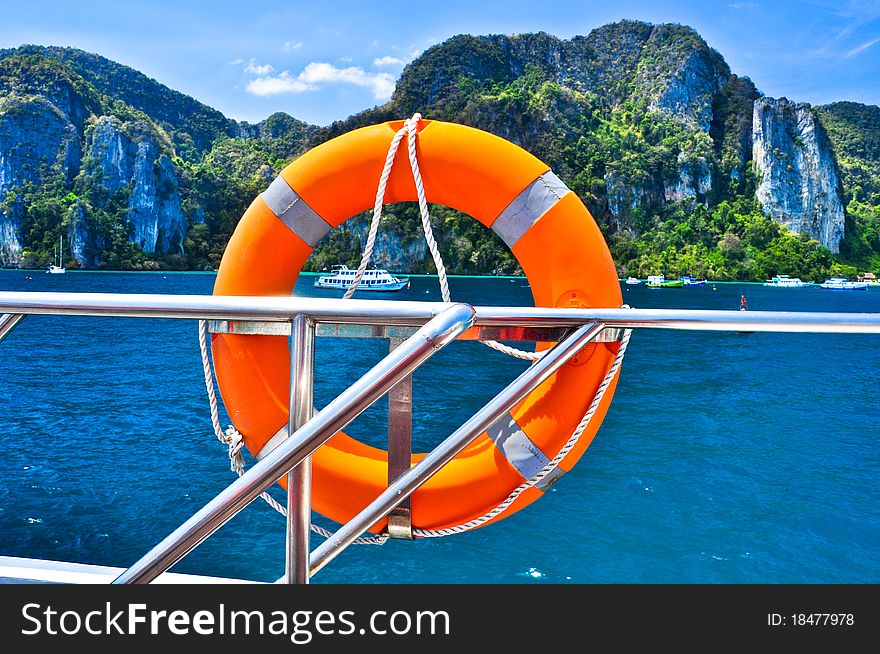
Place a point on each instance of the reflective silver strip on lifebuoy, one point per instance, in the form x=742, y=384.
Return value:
x=516, y=447
x=279, y=437
x=526, y=209
x=294, y=212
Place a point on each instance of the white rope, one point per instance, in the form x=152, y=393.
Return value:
x=410, y=129
x=234, y=441
x=423, y=207
x=551, y=466
x=231, y=437
x=514, y=352
x=377, y=211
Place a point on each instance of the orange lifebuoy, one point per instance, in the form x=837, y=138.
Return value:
x=550, y=232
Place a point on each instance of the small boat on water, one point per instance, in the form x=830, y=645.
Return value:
x=57, y=266
x=784, y=281
x=341, y=277
x=843, y=284
x=660, y=281
x=692, y=281
x=632, y=281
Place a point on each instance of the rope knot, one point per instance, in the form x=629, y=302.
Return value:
x=413, y=121
x=234, y=442
x=231, y=437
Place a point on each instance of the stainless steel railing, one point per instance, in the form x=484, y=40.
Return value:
x=427, y=327
x=415, y=314
x=435, y=334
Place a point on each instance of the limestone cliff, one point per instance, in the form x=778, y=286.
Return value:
x=665, y=92
x=35, y=137
x=679, y=74
x=127, y=158
x=798, y=182
x=391, y=251
x=75, y=164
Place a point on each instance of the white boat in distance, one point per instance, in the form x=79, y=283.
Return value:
x=57, y=266
x=342, y=276
x=784, y=281
x=633, y=280
x=843, y=284
x=692, y=281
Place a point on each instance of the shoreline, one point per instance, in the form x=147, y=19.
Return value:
x=78, y=271
x=214, y=272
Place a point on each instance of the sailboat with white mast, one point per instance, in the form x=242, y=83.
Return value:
x=57, y=266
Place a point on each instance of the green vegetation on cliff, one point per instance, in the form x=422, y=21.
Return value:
x=854, y=131
x=193, y=125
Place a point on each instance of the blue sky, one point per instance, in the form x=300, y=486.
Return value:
x=323, y=61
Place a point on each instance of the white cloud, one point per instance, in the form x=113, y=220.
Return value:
x=388, y=61
x=313, y=76
x=381, y=84
x=291, y=45
x=281, y=83
x=346, y=59
x=235, y=62
x=743, y=5
x=258, y=69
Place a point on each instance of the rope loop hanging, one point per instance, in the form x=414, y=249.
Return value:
x=410, y=130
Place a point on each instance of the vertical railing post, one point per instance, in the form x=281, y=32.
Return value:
x=400, y=447
x=299, y=480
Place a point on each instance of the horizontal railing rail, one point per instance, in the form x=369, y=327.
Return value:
x=402, y=313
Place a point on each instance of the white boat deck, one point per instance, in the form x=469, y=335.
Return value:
x=15, y=570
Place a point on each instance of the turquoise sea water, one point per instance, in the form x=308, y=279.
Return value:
x=725, y=457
